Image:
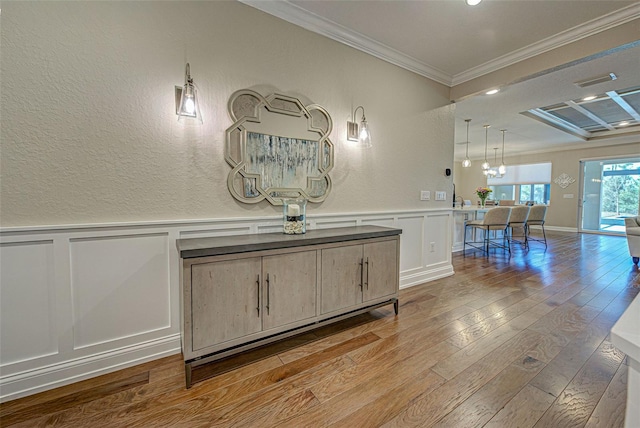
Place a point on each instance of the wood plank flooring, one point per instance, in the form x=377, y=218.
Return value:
x=519, y=342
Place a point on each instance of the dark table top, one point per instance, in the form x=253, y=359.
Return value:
x=219, y=245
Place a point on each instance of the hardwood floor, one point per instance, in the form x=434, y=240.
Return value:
x=520, y=342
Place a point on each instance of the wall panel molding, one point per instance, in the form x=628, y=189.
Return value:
x=68, y=371
x=98, y=276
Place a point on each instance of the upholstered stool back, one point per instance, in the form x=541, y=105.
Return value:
x=519, y=215
x=537, y=214
x=497, y=218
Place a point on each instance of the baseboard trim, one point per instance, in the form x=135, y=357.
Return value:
x=557, y=228
x=30, y=382
x=425, y=276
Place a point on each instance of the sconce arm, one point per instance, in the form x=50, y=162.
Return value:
x=354, y=113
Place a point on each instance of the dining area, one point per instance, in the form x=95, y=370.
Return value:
x=498, y=227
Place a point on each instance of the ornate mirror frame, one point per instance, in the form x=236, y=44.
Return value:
x=276, y=164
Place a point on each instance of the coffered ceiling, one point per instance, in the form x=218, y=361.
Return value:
x=452, y=43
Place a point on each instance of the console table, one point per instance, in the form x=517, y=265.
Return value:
x=241, y=292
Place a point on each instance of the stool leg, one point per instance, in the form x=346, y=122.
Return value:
x=487, y=237
x=464, y=240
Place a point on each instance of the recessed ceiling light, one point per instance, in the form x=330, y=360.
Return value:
x=493, y=91
x=624, y=123
x=589, y=98
x=473, y=2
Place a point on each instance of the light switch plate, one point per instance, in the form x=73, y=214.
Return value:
x=425, y=195
x=568, y=196
x=441, y=196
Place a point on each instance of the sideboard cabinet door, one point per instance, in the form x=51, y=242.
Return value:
x=289, y=288
x=341, y=278
x=225, y=300
x=380, y=269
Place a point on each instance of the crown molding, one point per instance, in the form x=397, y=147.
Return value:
x=317, y=24
x=590, y=28
x=312, y=22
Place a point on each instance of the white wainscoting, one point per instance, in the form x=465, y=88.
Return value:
x=79, y=301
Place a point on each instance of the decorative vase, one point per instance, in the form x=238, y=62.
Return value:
x=293, y=215
x=483, y=202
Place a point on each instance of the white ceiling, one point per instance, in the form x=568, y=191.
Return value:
x=526, y=135
x=451, y=43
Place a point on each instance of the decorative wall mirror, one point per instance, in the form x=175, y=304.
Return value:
x=277, y=149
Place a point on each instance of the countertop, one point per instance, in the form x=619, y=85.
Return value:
x=625, y=334
x=204, y=247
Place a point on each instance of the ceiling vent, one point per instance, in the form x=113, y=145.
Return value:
x=595, y=80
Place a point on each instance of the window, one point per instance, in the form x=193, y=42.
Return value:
x=523, y=183
x=535, y=192
x=503, y=192
x=522, y=193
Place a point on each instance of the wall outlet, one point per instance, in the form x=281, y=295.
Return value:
x=425, y=195
x=441, y=196
x=432, y=247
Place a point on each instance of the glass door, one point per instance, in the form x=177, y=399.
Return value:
x=610, y=192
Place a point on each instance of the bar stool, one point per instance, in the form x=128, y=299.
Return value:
x=495, y=219
x=536, y=218
x=518, y=219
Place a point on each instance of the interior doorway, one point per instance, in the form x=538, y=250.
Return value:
x=610, y=192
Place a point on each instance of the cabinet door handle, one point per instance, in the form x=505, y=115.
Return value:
x=361, y=273
x=367, y=263
x=258, y=284
x=268, y=298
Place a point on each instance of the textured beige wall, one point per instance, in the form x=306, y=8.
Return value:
x=89, y=133
x=562, y=212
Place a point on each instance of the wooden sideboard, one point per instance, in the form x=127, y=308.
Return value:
x=241, y=292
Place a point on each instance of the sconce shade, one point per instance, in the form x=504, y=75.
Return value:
x=187, y=99
x=365, y=134
x=359, y=132
x=188, y=102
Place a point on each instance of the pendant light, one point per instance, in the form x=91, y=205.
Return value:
x=493, y=172
x=503, y=168
x=466, y=163
x=485, y=165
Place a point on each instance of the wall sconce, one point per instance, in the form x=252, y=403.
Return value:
x=359, y=132
x=187, y=98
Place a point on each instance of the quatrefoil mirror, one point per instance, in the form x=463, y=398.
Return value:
x=278, y=148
